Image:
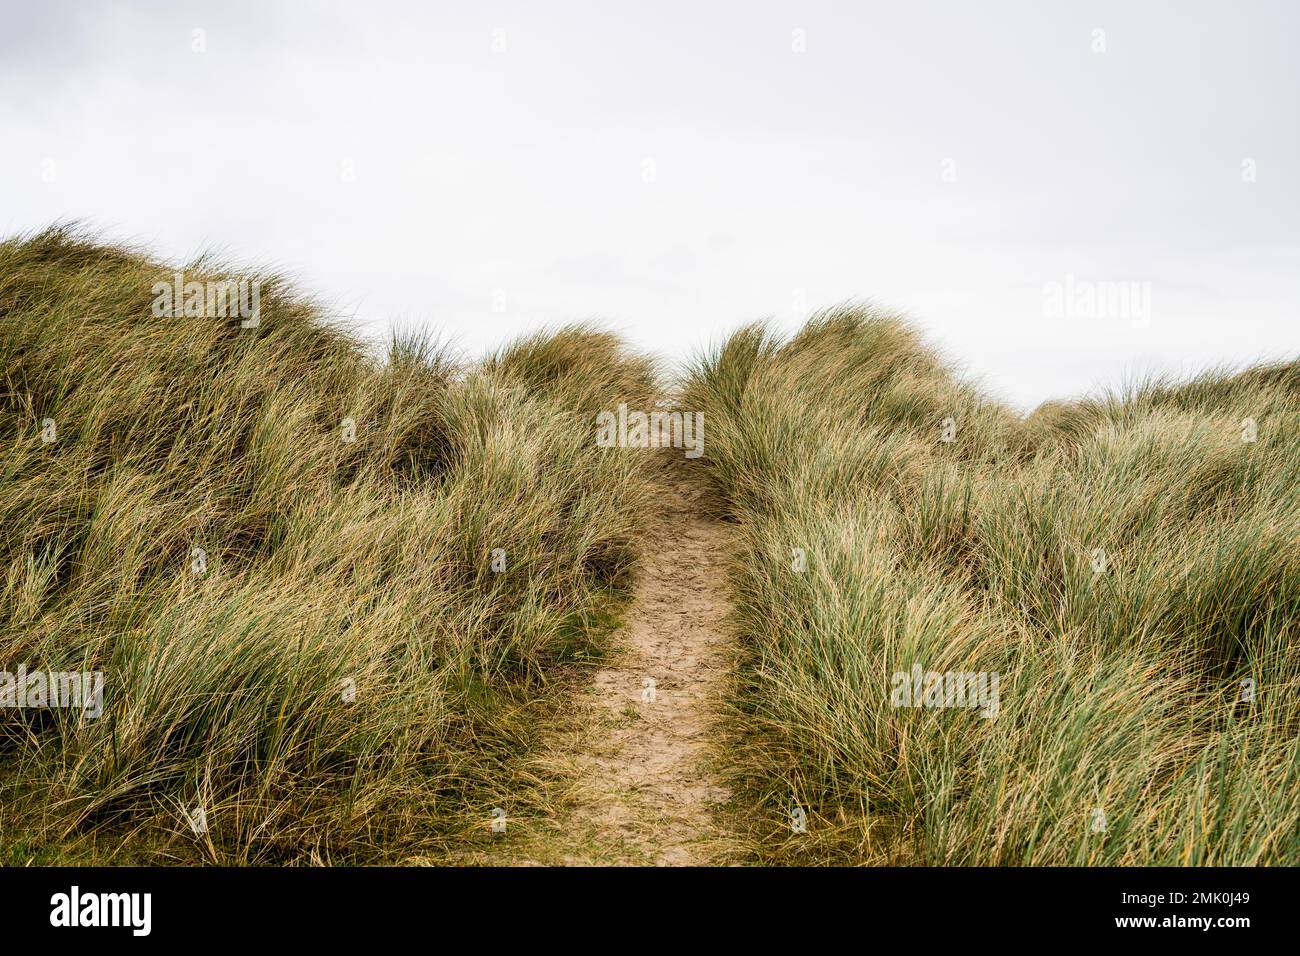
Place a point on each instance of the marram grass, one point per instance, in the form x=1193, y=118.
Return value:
x=334, y=594
x=1129, y=567
x=325, y=564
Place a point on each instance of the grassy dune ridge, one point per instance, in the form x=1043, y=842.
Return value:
x=1122, y=736
x=327, y=560
x=285, y=552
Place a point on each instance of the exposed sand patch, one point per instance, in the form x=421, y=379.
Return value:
x=638, y=752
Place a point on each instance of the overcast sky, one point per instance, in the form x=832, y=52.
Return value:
x=675, y=169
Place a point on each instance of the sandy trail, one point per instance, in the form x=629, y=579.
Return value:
x=638, y=746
